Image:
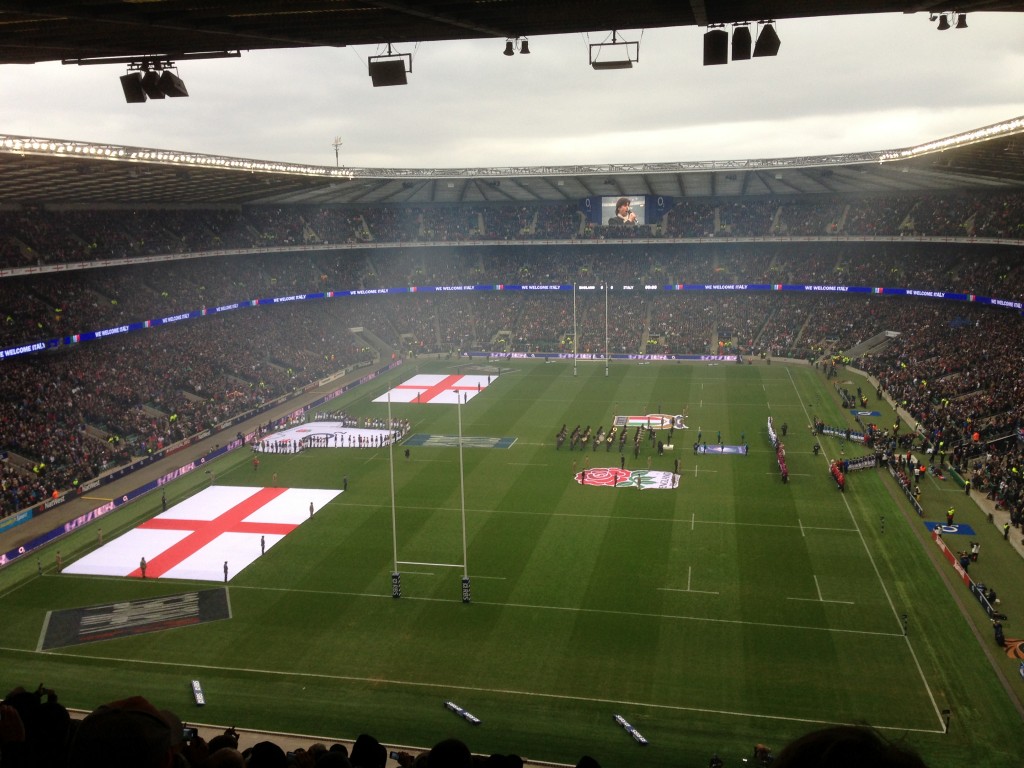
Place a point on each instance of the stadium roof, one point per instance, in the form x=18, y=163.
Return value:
x=60, y=172
x=56, y=172
x=50, y=30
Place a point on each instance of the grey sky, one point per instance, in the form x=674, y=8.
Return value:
x=837, y=85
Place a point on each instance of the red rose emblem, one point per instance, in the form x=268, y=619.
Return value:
x=608, y=476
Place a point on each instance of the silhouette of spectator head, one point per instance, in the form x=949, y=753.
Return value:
x=846, y=746
x=130, y=733
x=450, y=753
x=367, y=752
x=267, y=754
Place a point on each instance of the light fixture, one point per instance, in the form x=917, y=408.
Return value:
x=741, y=42
x=389, y=68
x=153, y=79
x=151, y=84
x=961, y=21
x=624, y=53
x=516, y=44
x=131, y=84
x=148, y=76
x=768, y=41
x=716, y=46
x=943, y=22
x=172, y=85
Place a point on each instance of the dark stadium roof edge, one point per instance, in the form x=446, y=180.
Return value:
x=60, y=171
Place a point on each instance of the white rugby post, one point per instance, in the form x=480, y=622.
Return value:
x=575, y=335
x=606, y=328
x=462, y=493
x=396, y=576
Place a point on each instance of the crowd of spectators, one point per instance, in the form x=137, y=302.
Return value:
x=37, y=236
x=70, y=413
x=962, y=380
x=37, y=731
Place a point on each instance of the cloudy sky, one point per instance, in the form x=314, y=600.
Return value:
x=837, y=85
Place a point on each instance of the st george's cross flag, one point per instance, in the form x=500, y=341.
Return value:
x=437, y=388
x=194, y=539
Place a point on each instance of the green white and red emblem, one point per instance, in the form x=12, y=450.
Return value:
x=652, y=421
x=613, y=477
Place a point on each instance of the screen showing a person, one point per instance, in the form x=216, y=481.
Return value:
x=623, y=210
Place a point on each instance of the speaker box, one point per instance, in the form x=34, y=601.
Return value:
x=388, y=72
x=741, y=43
x=716, y=47
x=172, y=85
x=767, y=42
x=131, y=84
x=151, y=84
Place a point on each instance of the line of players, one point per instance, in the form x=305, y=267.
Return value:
x=581, y=439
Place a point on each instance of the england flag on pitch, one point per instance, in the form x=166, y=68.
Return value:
x=437, y=388
x=211, y=536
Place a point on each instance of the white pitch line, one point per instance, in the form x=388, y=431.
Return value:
x=435, y=565
x=878, y=575
x=818, y=600
x=444, y=688
x=576, y=609
x=802, y=532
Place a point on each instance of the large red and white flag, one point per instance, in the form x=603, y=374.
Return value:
x=194, y=539
x=437, y=388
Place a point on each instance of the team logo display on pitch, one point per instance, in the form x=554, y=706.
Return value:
x=652, y=421
x=613, y=477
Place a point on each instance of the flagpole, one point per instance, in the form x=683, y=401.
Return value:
x=462, y=493
x=396, y=577
x=575, y=339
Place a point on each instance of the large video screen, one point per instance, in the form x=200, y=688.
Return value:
x=623, y=210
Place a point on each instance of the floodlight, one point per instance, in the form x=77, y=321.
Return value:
x=943, y=22
x=716, y=47
x=961, y=21
x=767, y=41
x=524, y=46
x=625, y=54
x=741, y=42
x=509, y=50
x=131, y=84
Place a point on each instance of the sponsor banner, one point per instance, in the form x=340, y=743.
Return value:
x=91, y=485
x=873, y=414
x=613, y=477
x=961, y=529
x=75, y=626
x=716, y=448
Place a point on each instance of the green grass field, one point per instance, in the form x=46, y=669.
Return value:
x=733, y=610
